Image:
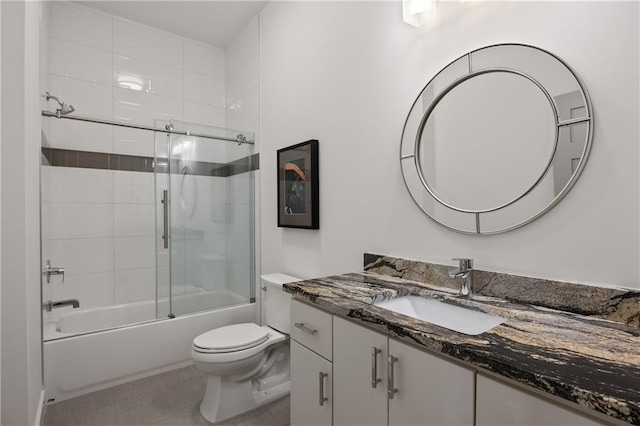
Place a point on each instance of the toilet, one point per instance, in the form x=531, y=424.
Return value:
x=248, y=364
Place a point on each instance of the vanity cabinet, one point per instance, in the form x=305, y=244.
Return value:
x=311, y=365
x=501, y=403
x=341, y=375
x=427, y=390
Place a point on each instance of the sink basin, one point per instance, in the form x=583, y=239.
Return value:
x=453, y=317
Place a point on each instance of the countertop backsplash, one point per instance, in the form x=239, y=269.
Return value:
x=614, y=304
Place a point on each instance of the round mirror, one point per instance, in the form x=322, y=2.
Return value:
x=496, y=139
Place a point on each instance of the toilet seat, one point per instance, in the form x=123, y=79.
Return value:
x=231, y=338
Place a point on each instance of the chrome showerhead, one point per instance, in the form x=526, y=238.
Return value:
x=64, y=108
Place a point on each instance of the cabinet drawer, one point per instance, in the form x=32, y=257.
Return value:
x=312, y=328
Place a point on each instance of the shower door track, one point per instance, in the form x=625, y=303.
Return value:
x=240, y=138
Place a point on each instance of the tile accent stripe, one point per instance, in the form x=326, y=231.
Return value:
x=105, y=161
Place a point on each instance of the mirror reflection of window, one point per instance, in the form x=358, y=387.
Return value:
x=571, y=139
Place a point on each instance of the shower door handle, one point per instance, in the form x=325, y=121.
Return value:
x=165, y=218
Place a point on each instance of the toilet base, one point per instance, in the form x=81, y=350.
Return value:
x=224, y=398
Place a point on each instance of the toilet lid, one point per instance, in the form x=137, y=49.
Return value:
x=231, y=338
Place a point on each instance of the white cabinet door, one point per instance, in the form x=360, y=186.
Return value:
x=431, y=390
x=308, y=386
x=499, y=403
x=356, y=401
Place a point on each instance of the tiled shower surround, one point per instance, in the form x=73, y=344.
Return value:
x=103, y=230
x=100, y=202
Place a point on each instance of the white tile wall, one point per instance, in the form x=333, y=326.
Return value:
x=244, y=78
x=115, y=69
x=133, y=141
x=133, y=188
x=82, y=220
x=88, y=98
x=164, y=80
x=83, y=255
x=198, y=113
x=244, y=48
x=104, y=227
x=81, y=25
x=144, y=108
x=143, y=42
x=92, y=290
x=133, y=220
x=243, y=113
x=202, y=59
x=205, y=90
x=244, y=109
x=135, y=285
x=70, y=185
x=82, y=62
x=134, y=252
x=81, y=136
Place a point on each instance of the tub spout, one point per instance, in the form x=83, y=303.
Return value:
x=48, y=306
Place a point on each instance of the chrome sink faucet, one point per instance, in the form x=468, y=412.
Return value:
x=465, y=272
x=48, y=306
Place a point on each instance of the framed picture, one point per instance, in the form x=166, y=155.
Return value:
x=298, y=186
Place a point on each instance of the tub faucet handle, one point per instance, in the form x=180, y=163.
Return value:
x=50, y=270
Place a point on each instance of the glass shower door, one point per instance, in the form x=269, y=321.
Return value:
x=206, y=209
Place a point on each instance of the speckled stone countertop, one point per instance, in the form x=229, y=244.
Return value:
x=591, y=361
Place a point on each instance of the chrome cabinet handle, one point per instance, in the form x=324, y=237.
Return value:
x=302, y=327
x=374, y=367
x=165, y=219
x=391, y=390
x=321, y=377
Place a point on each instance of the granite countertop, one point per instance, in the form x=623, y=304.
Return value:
x=591, y=361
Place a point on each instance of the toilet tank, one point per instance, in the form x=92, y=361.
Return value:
x=276, y=303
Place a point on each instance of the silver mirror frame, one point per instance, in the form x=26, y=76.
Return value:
x=410, y=164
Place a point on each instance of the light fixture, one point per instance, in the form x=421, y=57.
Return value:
x=417, y=12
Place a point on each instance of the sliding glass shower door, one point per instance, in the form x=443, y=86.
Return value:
x=205, y=219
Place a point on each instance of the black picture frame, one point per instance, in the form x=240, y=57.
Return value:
x=298, y=186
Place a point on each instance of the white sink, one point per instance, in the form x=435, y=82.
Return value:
x=453, y=317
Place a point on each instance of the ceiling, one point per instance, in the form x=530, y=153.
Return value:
x=212, y=22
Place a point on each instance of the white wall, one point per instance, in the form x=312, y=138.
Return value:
x=21, y=337
x=347, y=73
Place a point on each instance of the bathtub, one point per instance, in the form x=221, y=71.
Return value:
x=79, y=360
x=69, y=322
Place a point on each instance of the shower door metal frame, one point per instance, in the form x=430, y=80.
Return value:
x=240, y=138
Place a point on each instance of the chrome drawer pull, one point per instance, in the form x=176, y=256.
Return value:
x=391, y=390
x=374, y=367
x=323, y=399
x=301, y=326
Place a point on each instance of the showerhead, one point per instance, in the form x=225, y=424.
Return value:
x=64, y=108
